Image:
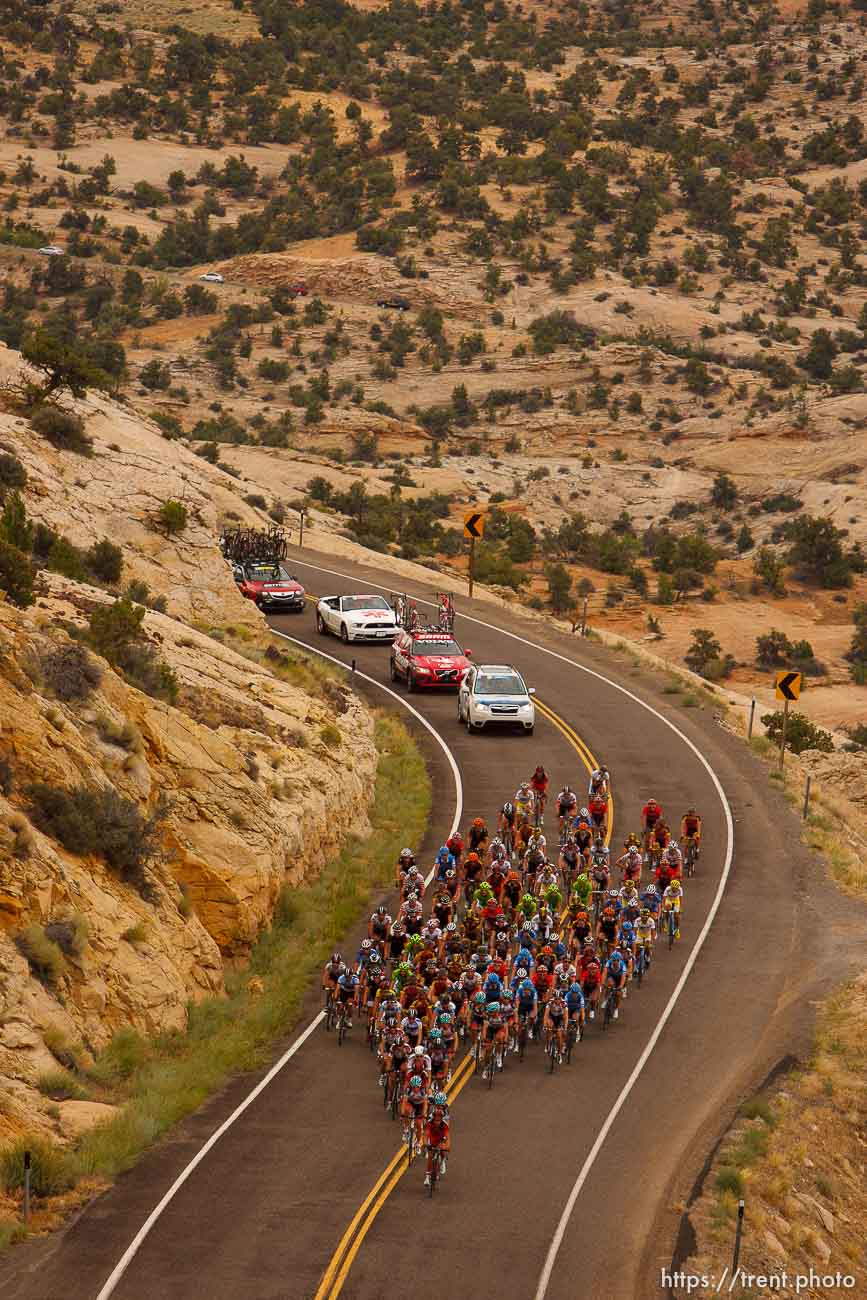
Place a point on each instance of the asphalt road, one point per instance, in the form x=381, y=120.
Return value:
x=262, y=1215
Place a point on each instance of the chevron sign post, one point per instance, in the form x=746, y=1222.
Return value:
x=474, y=528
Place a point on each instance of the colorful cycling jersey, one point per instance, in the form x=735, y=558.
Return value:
x=672, y=898
x=348, y=982
x=574, y=1000
x=644, y=932
x=615, y=967
x=526, y=994
x=557, y=1009
x=416, y=1097
x=436, y=1134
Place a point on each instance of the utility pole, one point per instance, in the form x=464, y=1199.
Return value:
x=783, y=736
x=471, y=570
x=301, y=512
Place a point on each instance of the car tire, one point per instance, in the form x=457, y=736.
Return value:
x=410, y=681
x=344, y=634
x=470, y=727
x=321, y=627
x=392, y=670
x=528, y=731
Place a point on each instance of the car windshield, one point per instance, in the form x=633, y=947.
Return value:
x=444, y=647
x=365, y=602
x=267, y=573
x=500, y=684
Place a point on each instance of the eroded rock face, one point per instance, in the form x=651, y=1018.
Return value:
x=255, y=799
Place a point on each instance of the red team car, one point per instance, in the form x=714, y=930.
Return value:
x=270, y=586
x=428, y=657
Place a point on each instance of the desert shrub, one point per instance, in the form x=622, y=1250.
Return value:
x=70, y=671
x=173, y=516
x=125, y=734
x=69, y=935
x=43, y=955
x=330, y=736
x=113, y=627
x=63, y=429
x=16, y=575
x=801, y=733
x=12, y=472
x=51, y=1169
x=143, y=668
x=105, y=561
x=705, y=656
x=126, y=1052
x=99, y=821
x=59, y=1085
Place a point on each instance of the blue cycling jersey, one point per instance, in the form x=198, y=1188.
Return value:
x=575, y=1001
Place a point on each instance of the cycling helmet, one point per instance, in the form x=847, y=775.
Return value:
x=375, y=958
x=522, y=973
x=407, y=853
x=446, y=1018
x=366, y=945
x=492, y=1007
x=381, y=909
x=479, y=998
x=691, y=812
x=574, y=987
x=675, y=886
x=584, y=814
x=645, y=913
x=508, y=808
x=397, y=928
x=478, y=822
x=567, y=789
x=502, y=937
x=418, y=1051
x=452, y=928
x=336, y=959
x=506, y=995
x=436, y=1035
x=415, y=1081
x=451, y=873
x=440, y=1099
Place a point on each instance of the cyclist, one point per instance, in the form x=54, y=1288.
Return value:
x=495, y=1032
x=477, y=836
x=670, y=868
x=413, y=1108
x=527, y=1005
x=506, y=820
x=539, y=786
x=590, y=977
x=331, y=973
x=645, y=932
x=455, y=846
x=690, y=830
x=583, y=833
x=525, y=801
x=404, y=862
x=607, y=927
x=412, y=882
x=437, y=1135
x=615, y=978
x=673, y=897
x=347, y=993
x=575, y=1006
x=555, y=1021
x=567, y=808
x=651, y=813
x=442, y=907
x=630, y=863
x=379, y=925
x=600, y=781
x=396, y=943
x=473, y=869
x=597, y=806
x=443, y=862
x=581, y=930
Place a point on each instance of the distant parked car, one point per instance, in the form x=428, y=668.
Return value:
x=394, y=303
x=51, y=250
x=298, y=289
x=212, y=277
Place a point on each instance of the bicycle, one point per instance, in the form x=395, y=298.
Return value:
x=523, y=1034
x=640, y=962
x=342, y=1025
x=672, y=922
x=552, y=1051
x=437, y=1168
x=330, y=1010
x=690, y=856
x=573, y=1036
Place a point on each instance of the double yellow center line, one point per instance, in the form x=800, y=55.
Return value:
x=352, y=1239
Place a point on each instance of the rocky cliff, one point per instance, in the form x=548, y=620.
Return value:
x=248, y=778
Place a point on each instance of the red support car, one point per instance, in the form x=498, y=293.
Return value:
x=270, y=586
x=428, y=657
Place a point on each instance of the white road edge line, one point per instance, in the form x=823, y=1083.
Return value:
x=560, y=1232
x=135, y=1245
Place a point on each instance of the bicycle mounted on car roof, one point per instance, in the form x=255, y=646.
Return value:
x=240, y=545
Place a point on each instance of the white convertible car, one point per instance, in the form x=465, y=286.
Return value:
x=356, y=618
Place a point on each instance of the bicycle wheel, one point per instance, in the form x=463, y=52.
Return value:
x=522, y=1040
x=671, y=929
x=571, y=1039
x=607, y=1012
x=341, y=1028
x=491, y=1071
x=551, y=1049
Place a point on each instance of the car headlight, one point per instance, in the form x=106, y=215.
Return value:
x=480, y=704
x=418, y=669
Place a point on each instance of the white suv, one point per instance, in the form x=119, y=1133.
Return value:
x=495, y=693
